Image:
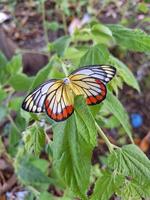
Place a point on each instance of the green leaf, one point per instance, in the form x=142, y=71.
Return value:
x=3, y=94
x=31, y=175
x=41, y=164
x=21, y=82
x=64, y=6
x=116, y=108
x=54, y=26
x=143, y=7
x=124, y=72
x=83, y=35
x=130, y=161
x=134, y=190
x=97, y=54
x=15, y=134
x=3, y=60
x=106, y=185
x=3, y=73
x=74, y=140
x=15, y=103
x=132, y=39
x=111, y=122
x=14, y=138
x=34, y=139
x=101, y=33
x=74, y=55
x=3, y=113
x=14, y=65
x=46, y=196
x=60, y=45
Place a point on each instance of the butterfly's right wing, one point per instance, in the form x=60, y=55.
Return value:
x=34, y=102
x=90, y=81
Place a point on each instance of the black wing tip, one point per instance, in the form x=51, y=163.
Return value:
x=108, y=65
x=112, y=67
x=96, y=65
x=23, y=106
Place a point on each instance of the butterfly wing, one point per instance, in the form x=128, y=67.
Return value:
x=34, y=102
x=90, y=81
x=102, y=72
x=59, y=101
x=93, y=89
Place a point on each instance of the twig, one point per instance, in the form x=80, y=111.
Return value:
x=64, y=69
x=7, y=186
x=64, y=22
x=5, y=166
x=32, y=52
x=44, y=22
x=48, y=139
x=13, y=123
x=111, y=146
x=2, y=178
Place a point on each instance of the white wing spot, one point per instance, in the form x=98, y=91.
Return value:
x=54, y=107
x=59, y=108
x=31, y=105
x=41, y=101
x=109, y=75
x=34, y=108
x=107, y=79
x=93, y=92
x=39, y=109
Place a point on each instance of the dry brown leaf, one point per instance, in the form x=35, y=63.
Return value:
x=145, y=143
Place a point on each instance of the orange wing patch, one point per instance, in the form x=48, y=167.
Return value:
x=59, y=102
x=92, y=100
x=64, y=114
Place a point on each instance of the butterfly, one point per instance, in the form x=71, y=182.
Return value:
x=56, y=97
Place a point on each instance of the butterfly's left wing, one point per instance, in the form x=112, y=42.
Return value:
x=34, y=102
x=90, y=81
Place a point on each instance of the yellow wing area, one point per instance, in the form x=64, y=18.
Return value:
x=59, y=101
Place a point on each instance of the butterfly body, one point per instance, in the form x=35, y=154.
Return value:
x=66, y=81
x=56, y=97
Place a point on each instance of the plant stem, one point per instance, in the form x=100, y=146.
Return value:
x=47, y=138
x=13, y=123
x=31, y=51
x=64, y=22
x=64, y=69
x=111, y=146
x=44, y=22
